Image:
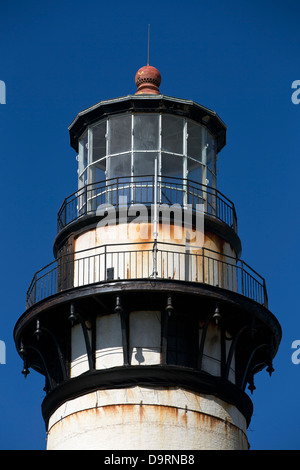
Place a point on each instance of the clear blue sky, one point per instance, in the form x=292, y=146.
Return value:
x=237, y=58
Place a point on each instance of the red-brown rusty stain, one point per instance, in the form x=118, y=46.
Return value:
x=165, y=415
x=185, y=417
x=214, y=242
x=206, y=420
x=141, y=412
x=165, y=412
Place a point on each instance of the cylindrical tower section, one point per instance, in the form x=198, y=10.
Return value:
x=145, y=418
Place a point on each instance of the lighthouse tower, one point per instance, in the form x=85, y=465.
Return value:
x=148, y=326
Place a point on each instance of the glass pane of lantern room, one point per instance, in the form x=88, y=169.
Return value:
x=171, y=179
x=194, y=141
x=210, y=179
x=194, y=171
x=211, y=195
x=171, y=165
x=83, y=179
x=146, y=127
x=195, y=179
x=119, y=169
x=99, y=170
x=119, y=134
x=82, y=193
x=97, y=191
x=99, y=141
x=172, y=134
x=143, y=171
x=83, y=158
x=211, y=153
x=143, y=163
x=120, y=166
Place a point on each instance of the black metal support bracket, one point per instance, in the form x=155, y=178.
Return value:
x=39, y=330
x=73, y=318
x=124, y=328
x=164, y=329
x=248, y=376
x=213, y=316
x=23, y=352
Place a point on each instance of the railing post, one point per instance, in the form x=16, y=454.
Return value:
x=65, y=212
x=105, y=270
x=117, y=195
x=86, y=199
x=214, y=204
x=242, y=276
x=155, y=221
x=265, y=300
x=234, y=219
x=35, y=289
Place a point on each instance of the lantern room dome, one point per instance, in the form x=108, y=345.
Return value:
x=148, y=80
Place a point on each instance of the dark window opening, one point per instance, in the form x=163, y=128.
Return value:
x=182, y=341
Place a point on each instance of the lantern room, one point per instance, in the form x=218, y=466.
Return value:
x=125, y=142
x=126, y=145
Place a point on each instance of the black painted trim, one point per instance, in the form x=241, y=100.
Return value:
x=148, y=376
x=155, y=286
x=148, y=103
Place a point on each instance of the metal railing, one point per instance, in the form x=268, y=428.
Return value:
x=133, y=261
x=140, y=190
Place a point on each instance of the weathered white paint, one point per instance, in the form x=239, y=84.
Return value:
x=109, y=351
x=79, y=359
x=211, y=361
x=143, y=418
x=145, y=338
